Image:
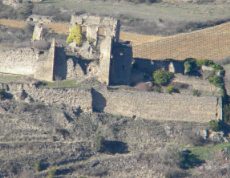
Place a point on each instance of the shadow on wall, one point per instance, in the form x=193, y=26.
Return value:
x=60, y=64
x=121, y=63
x=98, y=101
x=81, y=62
x=142, y=69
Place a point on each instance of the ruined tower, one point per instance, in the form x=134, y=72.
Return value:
x=102, y=31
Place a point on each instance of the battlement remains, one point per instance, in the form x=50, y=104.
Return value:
x=95, y=26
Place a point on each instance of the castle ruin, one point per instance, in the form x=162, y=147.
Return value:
x=104, y=57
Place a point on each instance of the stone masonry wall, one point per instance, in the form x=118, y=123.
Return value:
x=32, y=62
x=158, y=106
x=147, y=105
x=105, y=60
x=18, y=61
x=71, y=97
x=45, y=68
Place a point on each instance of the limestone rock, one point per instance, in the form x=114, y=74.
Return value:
x=92, y=69
x=86, y=51
x=38, y=32
x=204, y=133
x=171, y=68
x=217, y=137
x=71, y=73
x=21, y=95
x=91, y=34
x=206, y=68
x=79, y=71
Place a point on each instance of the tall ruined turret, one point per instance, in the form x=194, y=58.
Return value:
x=103, y=33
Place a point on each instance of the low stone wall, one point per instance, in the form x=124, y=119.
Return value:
x=158, y=106
x=147, y=105
x=72, y=97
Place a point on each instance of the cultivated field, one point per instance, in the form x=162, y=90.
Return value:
x=211, y=43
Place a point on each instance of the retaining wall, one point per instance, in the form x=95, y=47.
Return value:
x=72, y=97
x=147, y=105
x=159, y=106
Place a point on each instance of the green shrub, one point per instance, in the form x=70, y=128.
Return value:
x=209, y=63
x=190, y=66
x=205, y=62
x=38, y=166
x=171, y=89
x=157, y=88
x=52, y=172
x=162, y=77
x=99, y=143
x=189, y=160
x=217, y=81
x=196, y=93
x=75, y=35
x=215, y=125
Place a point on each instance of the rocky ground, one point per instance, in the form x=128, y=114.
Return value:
x=37, y=140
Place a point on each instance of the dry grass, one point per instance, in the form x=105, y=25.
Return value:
x=137, y=39
x=211, y=43
x=61, y=28
x=13, y=23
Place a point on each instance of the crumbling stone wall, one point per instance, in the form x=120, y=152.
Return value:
x=96, y=26
x=102, y=32
x=34, y=19
x=30, y=62
x=158, y=106
x=19, y=61
x=72, y=97
x=146, y=105
x=45, y=67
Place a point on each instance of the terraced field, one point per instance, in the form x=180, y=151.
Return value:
x=211, y=43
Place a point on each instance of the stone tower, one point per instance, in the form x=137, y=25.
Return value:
x=102, y=31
